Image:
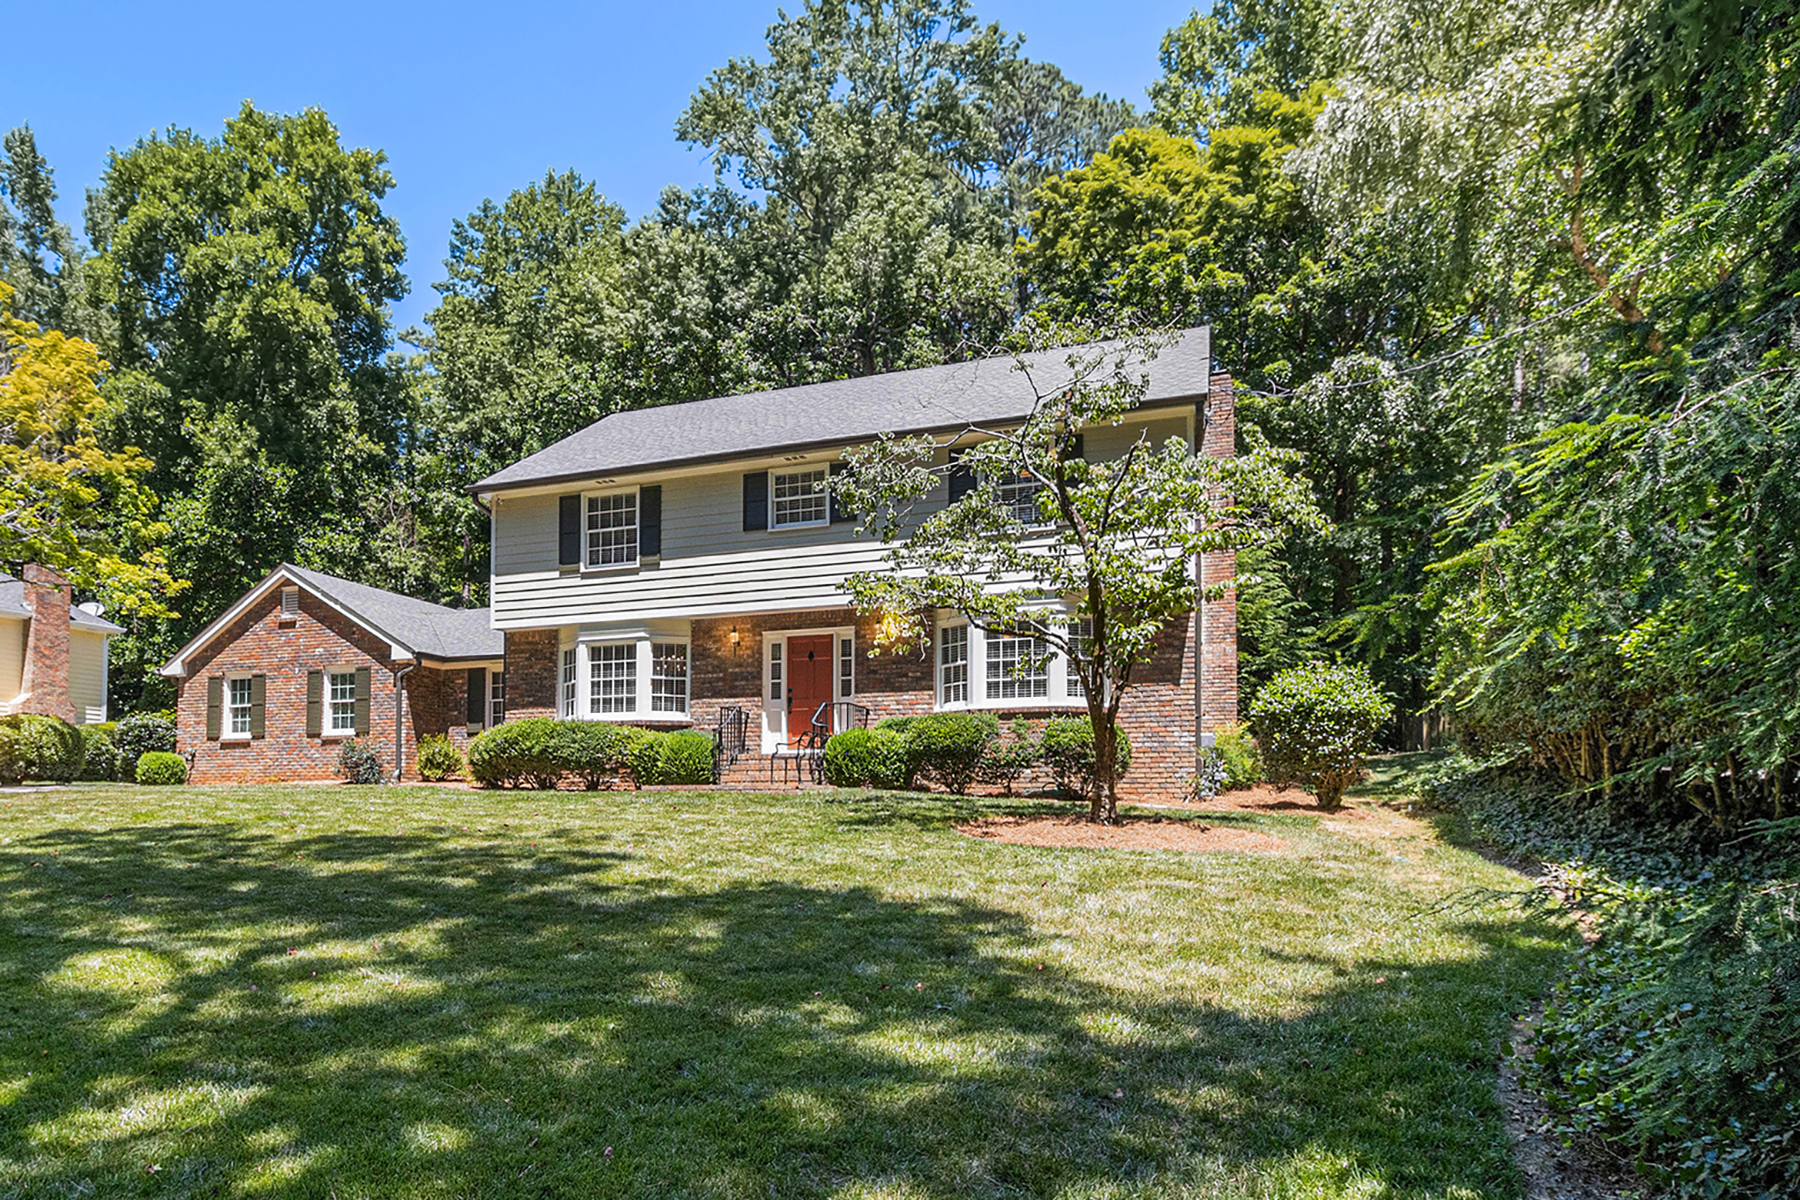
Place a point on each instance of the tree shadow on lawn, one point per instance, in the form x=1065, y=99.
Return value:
x=359, y=1015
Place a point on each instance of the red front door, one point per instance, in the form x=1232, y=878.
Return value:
x=809, y=681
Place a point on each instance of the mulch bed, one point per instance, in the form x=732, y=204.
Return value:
x=1153, y=834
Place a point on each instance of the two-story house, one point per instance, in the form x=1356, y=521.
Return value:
x=665, y=562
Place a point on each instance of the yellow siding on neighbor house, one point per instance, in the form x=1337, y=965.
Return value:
x=12, y=657
x=87, y=672
x=710, y=566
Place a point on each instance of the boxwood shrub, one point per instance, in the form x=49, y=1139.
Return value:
x=1067, y=749
x=1316, y=724
x=39, y=747
x=684, y=756
x=518, y=753
x=878, y=758
x=947, y=747
x=161, y=767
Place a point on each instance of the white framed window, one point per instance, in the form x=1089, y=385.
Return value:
x=775, y=692
x=846, y=667
x=612, y=529
x=953, y=665
x=798, y=498
x=1016, y=495
x=1017, y=668
x=1081, y=636
x=340, y=693
x=237, y=706
x=668, y=677
x=612, y=678
x=496, y=698
x=566, y=682
x=978, y=668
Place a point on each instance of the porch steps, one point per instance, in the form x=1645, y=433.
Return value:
x=752, y=774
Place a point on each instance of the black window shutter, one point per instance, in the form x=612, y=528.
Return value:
x=215, y=699
x=477, y=712
x=568, y=531
x=259, y=693
x=362, y=701
x=315, y=703
x=962, y=480
x=839, y=514
x=650, y=521
x=756, y=500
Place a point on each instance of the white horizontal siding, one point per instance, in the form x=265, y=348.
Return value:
x=12, y=658
x=87, y=672
x=710, y=566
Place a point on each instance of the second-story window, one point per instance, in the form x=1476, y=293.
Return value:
x=1017, y=497
x=798, y=498
x=612, y=529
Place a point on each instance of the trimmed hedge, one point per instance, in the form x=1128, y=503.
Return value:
x=140, y=733
x=439, y=759
x=1316, y=723
x=39, y=747
x=947, y=748
x=540, y=752
x=161, y=767
x=879, y=758
x=1068, y=750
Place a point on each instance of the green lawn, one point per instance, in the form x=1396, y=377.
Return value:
x=336, y=992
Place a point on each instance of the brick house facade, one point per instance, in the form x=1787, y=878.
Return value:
x=284, y=642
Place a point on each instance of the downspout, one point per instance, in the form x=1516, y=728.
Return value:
x=1201, y=412
x=400, y=719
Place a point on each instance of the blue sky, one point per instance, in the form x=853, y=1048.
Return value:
x=469, y=101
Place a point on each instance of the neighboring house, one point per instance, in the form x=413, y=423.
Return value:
x=52, y=654
x=304, y=661
x=666, y=562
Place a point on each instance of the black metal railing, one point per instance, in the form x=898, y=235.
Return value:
x=731, y=739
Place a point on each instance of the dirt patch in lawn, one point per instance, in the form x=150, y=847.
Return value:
x=1153, y=834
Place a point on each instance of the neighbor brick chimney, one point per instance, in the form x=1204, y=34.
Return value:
x=46, y=681
x=1216, y=681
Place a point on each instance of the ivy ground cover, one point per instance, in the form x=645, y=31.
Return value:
x=326, y=991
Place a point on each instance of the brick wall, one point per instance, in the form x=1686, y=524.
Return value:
x=1218, y=680
x=46, y=674
x=531, y=672
x=283, y=651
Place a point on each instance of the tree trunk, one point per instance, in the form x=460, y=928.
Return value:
x=1104, y=803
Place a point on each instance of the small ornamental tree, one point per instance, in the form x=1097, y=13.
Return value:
x=1104, y=564
x=1315, y=724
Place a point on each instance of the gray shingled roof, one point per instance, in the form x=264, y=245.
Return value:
x=12, y=604
x=424, y=628
x=845, y=410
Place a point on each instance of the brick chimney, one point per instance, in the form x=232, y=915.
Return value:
x=46, y=681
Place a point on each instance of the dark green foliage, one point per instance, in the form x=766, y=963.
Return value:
x=948, y=747
x=359, y=761
x=439, y=758
x=100, y=755
x=160, y=767
x=139, y=734
x=1067, y=749
x=1677, y=1036
x=1006, y=760
x=41, y=748
x=1316, y=724
x=685, y=756
x=1239, y=756
x=1646, y=634
x=517, y=753
x=595, y=752
x=875, y=758
x=643, y=753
